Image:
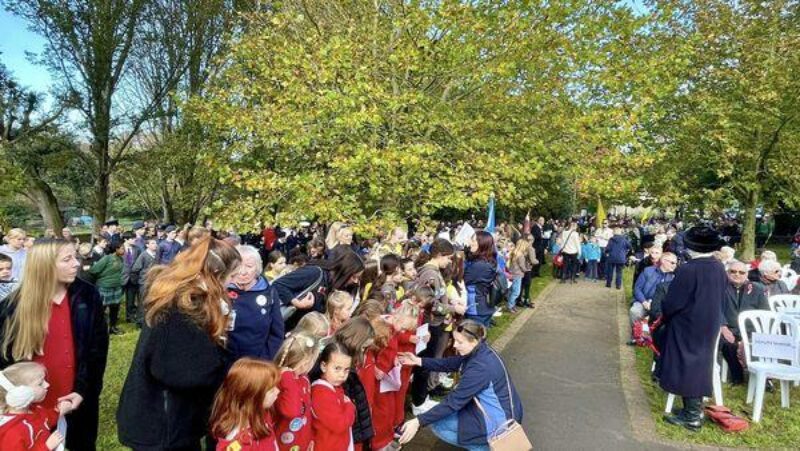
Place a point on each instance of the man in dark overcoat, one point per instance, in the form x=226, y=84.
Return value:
x=692, y=311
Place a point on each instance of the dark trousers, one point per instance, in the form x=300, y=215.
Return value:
x=602, y=268
x=610, y=270
x=419, y=385
x=570, y=270
x=525, y=293
x=82, y=425
x=131, y=302
x=539, y=256
x=729, y=353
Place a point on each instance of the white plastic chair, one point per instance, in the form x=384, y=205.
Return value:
x=789, y=277
x=716, y=379
x=763, y=368
x=788, y=303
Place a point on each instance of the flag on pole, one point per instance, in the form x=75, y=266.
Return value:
x=490, y=215
x=601, y=214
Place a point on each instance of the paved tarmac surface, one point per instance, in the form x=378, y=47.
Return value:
x=565, y=365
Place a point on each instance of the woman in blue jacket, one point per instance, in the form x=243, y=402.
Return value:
x=256, y=328
x=458, y=419
x=479, y=273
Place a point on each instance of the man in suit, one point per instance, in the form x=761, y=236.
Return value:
x=130, y=284
x=539, y=245
x=111, y=233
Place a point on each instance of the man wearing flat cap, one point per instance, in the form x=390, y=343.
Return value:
x=692, y=313
x=139, y=231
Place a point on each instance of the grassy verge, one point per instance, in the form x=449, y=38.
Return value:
x=779, y=428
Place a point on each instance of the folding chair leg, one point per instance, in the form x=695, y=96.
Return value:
x=717, y=385
x=760, y=386
x=751, y=385
x=724, y=374
x=785, y=391
x=670, y=401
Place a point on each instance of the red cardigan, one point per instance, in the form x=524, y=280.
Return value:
x=334, y=415
x=244, y=441
x=293, y=412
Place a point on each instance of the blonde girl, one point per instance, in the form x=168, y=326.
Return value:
x=314, y=324
x=293, y=419
x=240, y=416
x=338, y=308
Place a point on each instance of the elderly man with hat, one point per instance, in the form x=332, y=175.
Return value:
x=692, y=313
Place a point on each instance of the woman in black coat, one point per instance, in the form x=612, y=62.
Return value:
x=692, y=314
x=180, y=359
x=55, y=260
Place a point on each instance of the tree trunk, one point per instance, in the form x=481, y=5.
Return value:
x=47, y=204
x=100, y=204
x=748, y=245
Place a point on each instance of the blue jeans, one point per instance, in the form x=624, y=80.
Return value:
x=446, y=430
x=591, y=269
x=516, y=288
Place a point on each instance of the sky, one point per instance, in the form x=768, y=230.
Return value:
x=15, y=40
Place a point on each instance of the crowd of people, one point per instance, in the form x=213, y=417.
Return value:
x=327, y=343
x=291, y=337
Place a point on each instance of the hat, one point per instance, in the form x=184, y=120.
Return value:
x=111, y=222
x=137, y=225
x=703, y=239
x=170, y=228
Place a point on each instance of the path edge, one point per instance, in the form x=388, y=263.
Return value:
x=503, y=340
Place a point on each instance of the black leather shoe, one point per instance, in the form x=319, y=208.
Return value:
x=690, y=417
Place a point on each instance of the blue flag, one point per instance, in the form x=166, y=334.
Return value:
x=490, y=216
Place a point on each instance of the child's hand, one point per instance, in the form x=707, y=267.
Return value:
x=64, y=407
x=379, y=374
x=54, y=440
x=413, y=339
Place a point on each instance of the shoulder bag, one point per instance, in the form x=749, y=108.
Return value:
x=509, y=436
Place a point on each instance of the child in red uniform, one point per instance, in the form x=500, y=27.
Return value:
x=384, y=409
x=334, y=413
x=240, y=419
x=23, y=423
x=293, y=417
x=406, y=320
x=371, y=310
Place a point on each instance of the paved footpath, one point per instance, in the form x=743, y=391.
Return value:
x=565, y=364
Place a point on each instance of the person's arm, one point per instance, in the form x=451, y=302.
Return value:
x=472, y=382
x=290, y=400
x=442, y=365
x=137, y=268
x=638, y=288
x=277, y=330
x=91, y=368
x=98, y=267
x=288, y=284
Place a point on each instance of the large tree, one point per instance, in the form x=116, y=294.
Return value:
x=731, y=127
x=387, y=109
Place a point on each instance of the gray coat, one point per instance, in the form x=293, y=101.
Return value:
x=142, y=265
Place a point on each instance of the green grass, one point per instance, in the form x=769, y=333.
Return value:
x=779, y=428
x=121, y=352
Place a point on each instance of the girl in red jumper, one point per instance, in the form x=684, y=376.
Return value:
x=406, y=321
x=240, y=418
x=24, y=424
x=293, y=417
x=334, y=413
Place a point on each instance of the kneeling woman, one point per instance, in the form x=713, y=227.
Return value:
x=459, y=420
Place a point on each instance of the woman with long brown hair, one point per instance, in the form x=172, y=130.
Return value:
x=180, y=358
x=57, y=320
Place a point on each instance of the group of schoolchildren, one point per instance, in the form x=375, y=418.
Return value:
x=269, y=405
